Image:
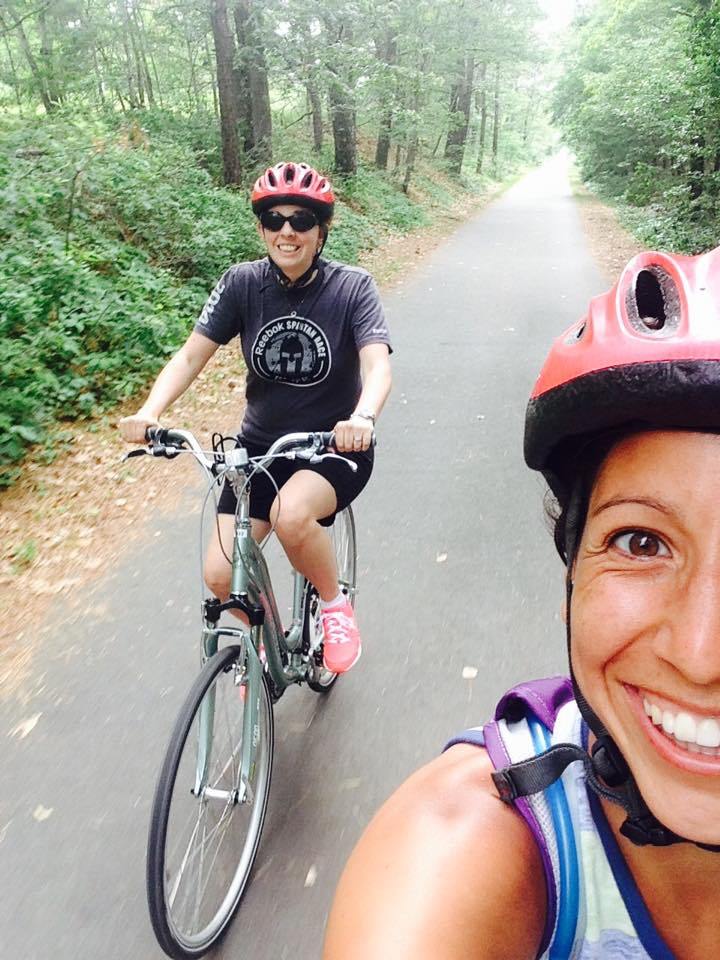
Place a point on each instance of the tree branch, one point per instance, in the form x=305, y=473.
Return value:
x=17, y=23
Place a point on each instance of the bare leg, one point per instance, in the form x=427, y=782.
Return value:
x=303, y=500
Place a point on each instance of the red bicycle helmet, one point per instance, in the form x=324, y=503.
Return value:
x=646, y=354
x=295, y=183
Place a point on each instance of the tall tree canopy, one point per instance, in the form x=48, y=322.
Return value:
x=406, y=73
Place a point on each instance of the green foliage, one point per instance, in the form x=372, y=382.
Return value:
x=108, y=249
x=641, y=110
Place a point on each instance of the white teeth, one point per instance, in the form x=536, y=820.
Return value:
x=708, y=733
x=685, y=728
x=695, y=733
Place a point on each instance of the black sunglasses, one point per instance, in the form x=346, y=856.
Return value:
x=301, y=221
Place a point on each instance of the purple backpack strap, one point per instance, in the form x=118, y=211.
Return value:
x=543, y=699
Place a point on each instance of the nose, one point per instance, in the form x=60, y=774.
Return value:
x=690, y=640
x=287, y=229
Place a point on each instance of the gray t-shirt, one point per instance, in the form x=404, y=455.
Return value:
x=300, y=346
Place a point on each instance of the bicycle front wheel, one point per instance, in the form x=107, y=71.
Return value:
x=206, y=818
x=342, y=534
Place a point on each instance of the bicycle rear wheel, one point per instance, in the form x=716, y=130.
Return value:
x=342, y=534
x=202, y=844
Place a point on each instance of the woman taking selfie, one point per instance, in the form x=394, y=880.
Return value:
x=584, y=820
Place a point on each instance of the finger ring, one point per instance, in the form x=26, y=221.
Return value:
x=357, y=439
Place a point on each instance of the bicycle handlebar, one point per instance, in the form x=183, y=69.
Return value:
x=168, y=443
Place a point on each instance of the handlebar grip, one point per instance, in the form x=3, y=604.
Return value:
x=156, y=435
x=164, y=436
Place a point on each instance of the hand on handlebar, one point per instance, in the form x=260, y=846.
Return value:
x=353, y=435
x=133, y=429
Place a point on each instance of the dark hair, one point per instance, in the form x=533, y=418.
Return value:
x=566, y=509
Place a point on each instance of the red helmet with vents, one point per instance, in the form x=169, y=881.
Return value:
x=296, y=183
x=646, y=355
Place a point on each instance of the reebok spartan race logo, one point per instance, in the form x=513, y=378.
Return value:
x=292, y=350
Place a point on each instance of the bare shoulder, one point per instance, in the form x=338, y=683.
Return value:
x=445, y=871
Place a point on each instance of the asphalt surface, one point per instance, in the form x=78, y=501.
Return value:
x=460, y=598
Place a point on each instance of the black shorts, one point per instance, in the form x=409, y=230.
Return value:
x=346, y=483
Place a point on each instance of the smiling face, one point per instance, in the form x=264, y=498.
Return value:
x=646, y=620
x=291, y=250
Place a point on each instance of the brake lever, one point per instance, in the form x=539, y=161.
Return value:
x=317, y=457
x=139, y=452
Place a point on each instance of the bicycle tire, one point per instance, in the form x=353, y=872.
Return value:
x=176, y=786
x=342, y=533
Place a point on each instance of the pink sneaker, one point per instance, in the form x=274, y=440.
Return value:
x=341, y=648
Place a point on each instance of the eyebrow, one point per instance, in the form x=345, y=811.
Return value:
x=635, y=501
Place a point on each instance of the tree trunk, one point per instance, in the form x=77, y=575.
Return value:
x=46, y=57
x=242, y=90
x=414, y=138
x=224, y=58
x=146, y=58
x=194, y=91
x=316, y=111
x=341, y=95
x=252, y=58
x=460, y=103
x=34, y=68
x=11, y=60
x=496, y=120
x=387, y=52
x=213, y=80
x=483, y=111
x=342, y=108
x=133, y=98
x=132, y=52
x=139, y=29
x=410, y=161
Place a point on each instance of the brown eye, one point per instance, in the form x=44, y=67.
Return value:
x=640, y=543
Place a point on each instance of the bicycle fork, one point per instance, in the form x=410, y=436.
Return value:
x=249, y=672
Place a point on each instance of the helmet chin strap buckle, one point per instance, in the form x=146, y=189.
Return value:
x=645, y=831
x=608, y=762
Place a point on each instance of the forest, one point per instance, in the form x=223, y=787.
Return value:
x=131, y=131
x=639, y=104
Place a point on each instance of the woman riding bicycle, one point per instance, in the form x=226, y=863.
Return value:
x=316, y=347
x=608, y=842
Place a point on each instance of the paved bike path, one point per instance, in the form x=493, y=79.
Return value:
x=460, y=597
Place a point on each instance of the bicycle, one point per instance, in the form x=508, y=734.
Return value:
x=212, y=793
